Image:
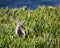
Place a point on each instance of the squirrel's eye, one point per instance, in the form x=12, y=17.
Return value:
x=22, y=26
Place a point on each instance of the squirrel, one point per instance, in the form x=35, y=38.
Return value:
x=19, y=29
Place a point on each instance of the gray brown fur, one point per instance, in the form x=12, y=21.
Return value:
x=19, y=29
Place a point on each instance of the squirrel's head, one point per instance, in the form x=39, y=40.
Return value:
x=21, y=23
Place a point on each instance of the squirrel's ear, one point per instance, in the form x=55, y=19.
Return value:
x=20, y=22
